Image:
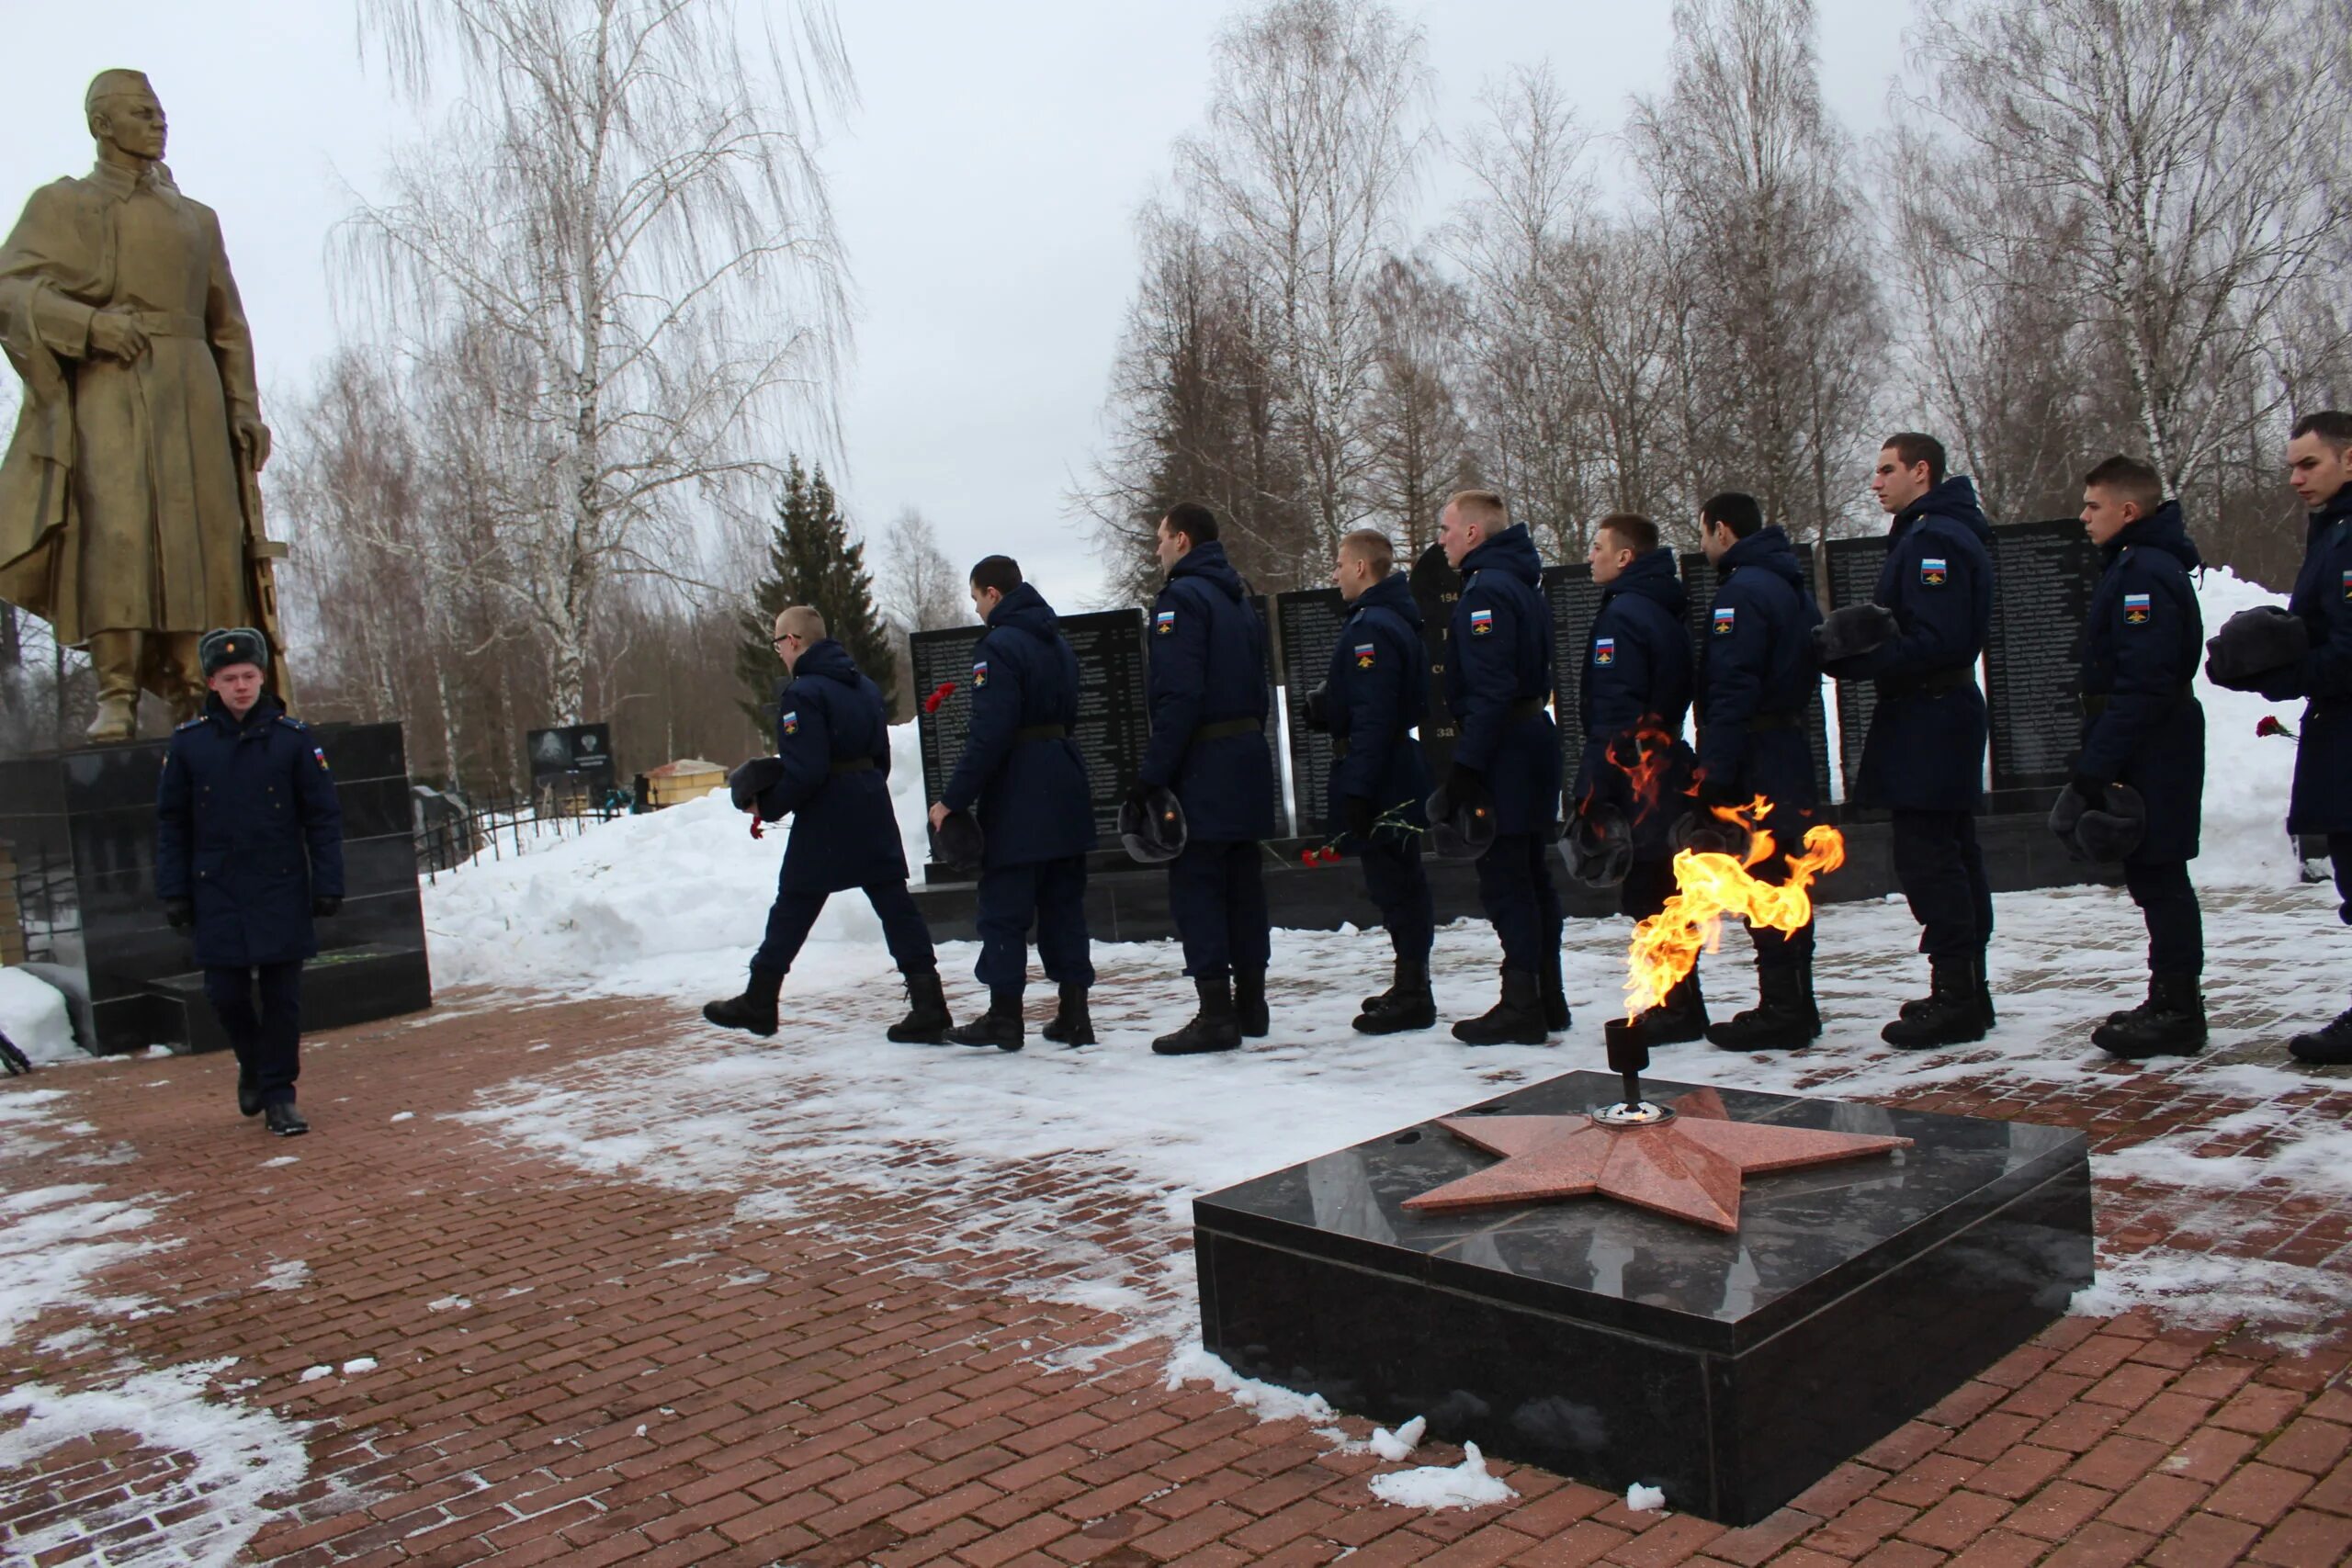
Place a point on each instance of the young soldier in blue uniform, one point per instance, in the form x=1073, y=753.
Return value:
x=1208, y=700
x=2143, y=726
x=249, y=851
x=1756, y=682
x=831, y=773
x=1372, y=699
x=1022, y=770
x=1507, y=751
x=1633, y=701
x=1924, y=759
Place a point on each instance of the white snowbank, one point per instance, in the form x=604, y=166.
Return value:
x=2246, y=777
x=1465, y=1486
x=34, y=1015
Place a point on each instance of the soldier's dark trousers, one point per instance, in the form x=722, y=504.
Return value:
x=794, y=915
x=268, y=1038
x=1515, y=888
x=1941, y=873
x=2175, y=925
x=1397, y=883
x=1217, y=894
x=1055, y=892
x=2339, y=854
x=1648, y=884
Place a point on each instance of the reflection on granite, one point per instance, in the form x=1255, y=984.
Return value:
x=1620, y=1345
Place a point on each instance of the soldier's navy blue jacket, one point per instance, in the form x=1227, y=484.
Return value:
x=2322, y=597
x=1757, y=677
x=1376, y=693
x=1926, y=747
x=832, y=734
x=1033, y=803
x=1497, y=669
x=1208, y=671
x=2141, y=643
x=249, y=830
x=1636, y=675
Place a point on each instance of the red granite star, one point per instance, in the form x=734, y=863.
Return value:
x=1689, y=1167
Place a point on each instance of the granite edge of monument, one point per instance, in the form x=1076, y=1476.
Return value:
x=82, y=824
x=1617, y=1346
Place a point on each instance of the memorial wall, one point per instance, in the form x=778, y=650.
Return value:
x=2044, y=574
x=1575, y=599
x=1308, y=626
x=1853, y=579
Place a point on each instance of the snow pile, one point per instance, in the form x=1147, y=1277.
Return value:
x=1641, y=1499
x=2246, y=778
x=1465, y=1486
x=1271, y=1401
x=34, y=1015
x=1398, y=1446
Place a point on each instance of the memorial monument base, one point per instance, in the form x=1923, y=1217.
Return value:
x=1617, y=1346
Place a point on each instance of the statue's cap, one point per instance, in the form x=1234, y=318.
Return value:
x=115, y=83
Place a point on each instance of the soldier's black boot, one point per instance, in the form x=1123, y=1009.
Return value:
x=2171, y=1023
x=248, y=1090
x=1554, y=992
x=1406, y=1005
x=1784, y=1019
x=282, y=1119
x=1250, y=1004
x=2328, y=1046
x=755, y=1011
x=1000, y=1026
x=1071, y=1025
x=1213, y=1028
x=1680, y=1018
x=1516, y=1020
x=1953, y=1015
x=928, y=1019
x=1984, y=990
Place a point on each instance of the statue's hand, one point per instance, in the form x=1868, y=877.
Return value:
x=254, y=435
x=114, y=334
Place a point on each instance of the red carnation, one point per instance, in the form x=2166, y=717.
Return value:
x=931, y=704
x=2268, y=725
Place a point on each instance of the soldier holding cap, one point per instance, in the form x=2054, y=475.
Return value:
x=248, y=851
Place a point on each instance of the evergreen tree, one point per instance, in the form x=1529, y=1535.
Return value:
x=812, y=561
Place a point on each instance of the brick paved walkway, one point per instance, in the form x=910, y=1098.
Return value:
x=583, y=1371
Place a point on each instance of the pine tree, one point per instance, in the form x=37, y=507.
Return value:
x=812, y=561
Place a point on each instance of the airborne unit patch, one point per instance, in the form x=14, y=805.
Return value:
x=1604, y=651
x=1932, y=572
x=1364, y=651
x=2136, y=609
x=2347, y=585
x=979, y=674
x=789, y=723
x=1482, y=622
x=1726, y=616
x=1163, y=623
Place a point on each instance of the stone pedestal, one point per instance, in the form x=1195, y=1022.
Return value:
x=80, y=829
x=1615, y=1345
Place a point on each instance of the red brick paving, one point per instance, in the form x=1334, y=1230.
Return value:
x=643, y=1377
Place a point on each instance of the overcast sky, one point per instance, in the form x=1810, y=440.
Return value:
x=986, y=187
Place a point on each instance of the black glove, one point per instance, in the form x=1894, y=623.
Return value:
x=1359, y=814
x=326, y=905
x=1853, y=631
x=1466, y=785
x=1140, y=797
x=2067, y=815
x=2253, y=645
x=180, y=913
x=1318, y=708
x=752, y=780
x=2092, y=790
x=1712, y=793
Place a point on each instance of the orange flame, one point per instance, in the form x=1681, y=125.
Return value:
x=1653, y=755
x=1709, y=886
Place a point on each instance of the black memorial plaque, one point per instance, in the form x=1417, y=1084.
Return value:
x=2043, y=574
x=1436, y=587
x=1265, y=610
x=1309, y=621
x=1574, y=599
x=1698, y=580
x=1853, y=579
x=583, y=751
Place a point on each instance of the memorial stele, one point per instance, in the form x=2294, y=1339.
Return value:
x=130, y=509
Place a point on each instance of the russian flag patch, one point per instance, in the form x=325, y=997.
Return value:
x=1726, y=616
x=1365, y=652
x=980, y=675
x=1481, y=622
x=1163, y=623
x=2136, y=609
x=1604, y=651
x=1932, y=572
x=789, y=723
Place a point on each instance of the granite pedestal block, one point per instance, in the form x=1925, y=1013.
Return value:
x=80, y=829
x=1613, y=1345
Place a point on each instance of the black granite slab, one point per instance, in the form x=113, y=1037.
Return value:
x=347, y=986
x=1618, y=1345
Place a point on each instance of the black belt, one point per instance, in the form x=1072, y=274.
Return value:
x=1763, y=722
x=1525, y=708
x=1226, y=728
x=854, y=765
x=1933, y=684
x=2096, y=703
x=1339, y=743
x=1042, y=732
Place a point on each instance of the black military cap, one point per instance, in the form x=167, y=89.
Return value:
x=232, y=644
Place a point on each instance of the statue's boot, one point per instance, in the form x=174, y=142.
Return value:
x=176, y=672
x=115, y=657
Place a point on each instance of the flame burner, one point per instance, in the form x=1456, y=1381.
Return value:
x=1629, y=1053
x=1710, y=885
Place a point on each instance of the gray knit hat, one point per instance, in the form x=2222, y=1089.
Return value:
x=232, y=644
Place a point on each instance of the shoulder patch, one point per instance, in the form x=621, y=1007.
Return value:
x=1366, y=654
x=789, y=722
x=2347, y=585
x=1932, y=572
x=979, y=674
x=2136, y=609
x=320, y=752
x=1726, y=617
x=1163, y=621
x=1482, y=623
x=1604, y=651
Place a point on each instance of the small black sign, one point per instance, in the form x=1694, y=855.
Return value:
x=578, y=750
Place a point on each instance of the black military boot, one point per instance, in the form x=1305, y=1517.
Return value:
x=248, y=1091
x=1516, y=1020
x=2171, y=1023
x=1000, y=1026
x=1784, y=1019
x=1554, y=992
x=1213, y=1028
x=1408, y=1004
x=755, y=1011
x=1250, y=1004
x=1071, y=1024
x=928, y=1019
x=1984, y=996
x=1953, y=1014
x=2328, y=1046
x=1679, y=1019
x=282, y=1119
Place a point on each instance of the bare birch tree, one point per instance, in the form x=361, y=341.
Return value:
x=621, y=225
x=922, y=589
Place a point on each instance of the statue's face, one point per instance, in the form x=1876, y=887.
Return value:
x=132, y=123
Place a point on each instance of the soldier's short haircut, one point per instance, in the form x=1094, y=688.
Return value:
x=802, y=621
x=2331, y=426
x=1371, y=545
x=2130, y=480
x=115, y=83
x=1735, y=509
x=1633, y=532
x=1001, y=572
x=1911, y=448
x=1193, y=520
x=1483, y=507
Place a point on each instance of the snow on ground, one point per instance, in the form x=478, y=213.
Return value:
x=34, y=1015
